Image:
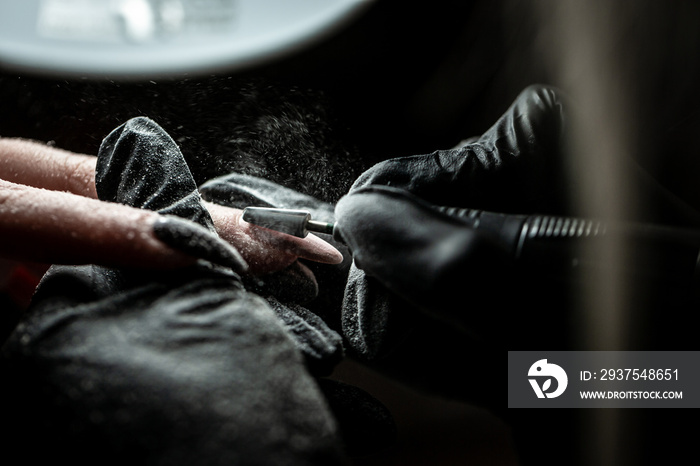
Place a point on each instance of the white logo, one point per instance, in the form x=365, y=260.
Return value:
x=542, y=370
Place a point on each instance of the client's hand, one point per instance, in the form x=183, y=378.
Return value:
x=49, y=213
x=266, y=250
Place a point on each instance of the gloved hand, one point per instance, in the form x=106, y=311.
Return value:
x=427, y=259
x=426, y=292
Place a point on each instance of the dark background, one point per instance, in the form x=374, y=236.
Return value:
x=408, y=78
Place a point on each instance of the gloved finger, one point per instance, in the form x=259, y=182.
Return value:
x=515, y=165
x=59, y=227
x=419, y=253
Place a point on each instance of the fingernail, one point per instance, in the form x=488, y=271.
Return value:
x=321, y=251
x=195, y=240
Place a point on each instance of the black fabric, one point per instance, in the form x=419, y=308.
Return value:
x=184, y=367
x=140, y=165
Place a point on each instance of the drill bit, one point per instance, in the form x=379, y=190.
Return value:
x=290, y=221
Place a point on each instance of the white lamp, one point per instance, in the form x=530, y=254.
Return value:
x=147, y=38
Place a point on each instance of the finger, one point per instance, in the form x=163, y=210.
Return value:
x=266, y=250
x=42, y=166
x=62, y=228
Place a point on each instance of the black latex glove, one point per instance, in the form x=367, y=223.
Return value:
x=514, y=166
x=427, y=293
x=428, y=260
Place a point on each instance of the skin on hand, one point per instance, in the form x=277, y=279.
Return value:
x=266, y=250
x=49, y=213
x=35, y=164
x=58, y=227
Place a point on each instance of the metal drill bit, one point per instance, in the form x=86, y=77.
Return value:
x=292, y=222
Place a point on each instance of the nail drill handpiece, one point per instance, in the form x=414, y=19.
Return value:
x=556, y=246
